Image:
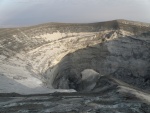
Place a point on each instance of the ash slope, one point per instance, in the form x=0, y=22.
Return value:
x=108, y=63
x=40, y=58
x=110, y=96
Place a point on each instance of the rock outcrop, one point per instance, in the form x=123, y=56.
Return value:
x=129, y=53
x=107, y=63
x=56, y=54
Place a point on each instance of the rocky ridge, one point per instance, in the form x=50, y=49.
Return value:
x=57, y=53
x=107, y=63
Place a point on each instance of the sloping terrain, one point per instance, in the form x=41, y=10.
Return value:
x=110, y=96
x=107, y=63
x=126, y=58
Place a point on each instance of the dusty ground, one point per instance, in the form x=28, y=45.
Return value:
x=48, y=58
x=73, y=103
x=113, y=97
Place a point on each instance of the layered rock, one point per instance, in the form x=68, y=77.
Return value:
x=58, y=53
x=128, y=52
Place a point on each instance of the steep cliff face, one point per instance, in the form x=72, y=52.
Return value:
x=126, y=57
x=56, y=54
x=108, y=63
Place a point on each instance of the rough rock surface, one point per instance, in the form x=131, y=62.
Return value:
x=89, y=77
x=109, y=97
x=124, y=51
x=57, y=57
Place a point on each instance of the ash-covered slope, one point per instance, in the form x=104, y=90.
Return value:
x=108, y=63
x=124, y=57
x=110, y=96
x=120, y=48
x=56, y=54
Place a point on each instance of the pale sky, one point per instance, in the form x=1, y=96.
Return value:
x=31, y=12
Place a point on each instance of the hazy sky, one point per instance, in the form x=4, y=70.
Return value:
x=29, y=12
